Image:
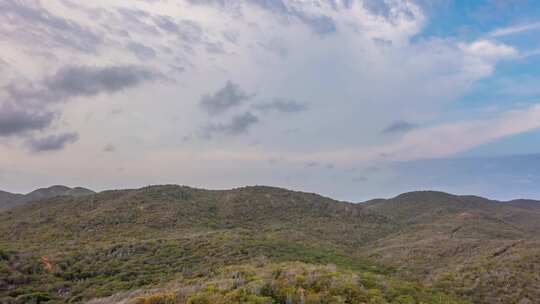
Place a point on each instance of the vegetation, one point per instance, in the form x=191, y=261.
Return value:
x=294, y=283
x=172, y=244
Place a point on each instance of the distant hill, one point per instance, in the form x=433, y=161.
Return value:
x=486, y=251
x=185, y=245
x=9, y=200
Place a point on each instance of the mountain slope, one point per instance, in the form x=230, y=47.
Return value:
x=467, y=244
x=268, y=283
x=10, y=200
x=95, y=246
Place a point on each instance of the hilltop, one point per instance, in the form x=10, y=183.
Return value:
x=164, y=240
x=10, y=200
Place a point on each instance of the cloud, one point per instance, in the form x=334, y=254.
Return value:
x=448, y=139
x=444, y=139
x=360, y=179
x=312, y=164
x=142, y=51
x=230, y=96
x=27, y=105
x=239, y=124
x=359, y=64
x=52, y=142
x=190, y=31
x=166, y=23
x=215, y=48
x=29, y=23
x=109, y=148
x=515, y=29
x=72, y=81
x=321, y=25
x=136, y=20
x=275, y=46
x=398, y=127
x=489, y=49
x=282, y=105
x=17, y=121
x=318, y=22
x=380, y=8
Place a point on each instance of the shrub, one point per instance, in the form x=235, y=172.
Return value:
x=156, y=299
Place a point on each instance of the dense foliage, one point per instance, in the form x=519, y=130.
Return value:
x=294, y=283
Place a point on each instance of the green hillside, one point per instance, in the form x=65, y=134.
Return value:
x=186, y=245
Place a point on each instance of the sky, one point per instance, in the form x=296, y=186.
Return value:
x=352, y=99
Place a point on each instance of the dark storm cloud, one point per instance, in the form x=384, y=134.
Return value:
x=74, y=81
x=282, y=105
x=52, y=142
x=31, y=24
x=230, y=96
x=239, y=124
x=15, y=121
x=399, y=127
x=141, y=51
x=25, y=108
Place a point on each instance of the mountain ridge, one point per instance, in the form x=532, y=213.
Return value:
x=9, y=200
x=56, y=190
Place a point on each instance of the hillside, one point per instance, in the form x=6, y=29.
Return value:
x=483, y=250
x=291, y=282
x=125, y=243
x=10, y=200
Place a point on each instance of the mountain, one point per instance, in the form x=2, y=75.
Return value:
x=176, y=244
x=483, y=250
x=9, y=200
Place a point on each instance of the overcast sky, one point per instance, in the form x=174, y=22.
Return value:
x=347, y=98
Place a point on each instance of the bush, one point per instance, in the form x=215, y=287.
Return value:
x=33, y=298
x=156, y=299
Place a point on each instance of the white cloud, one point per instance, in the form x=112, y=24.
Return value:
x=444, y=139
x=449, y=139
x=515, y=29
x=489, y=49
